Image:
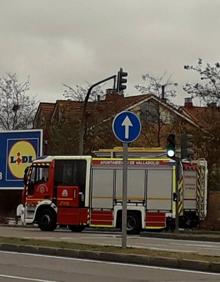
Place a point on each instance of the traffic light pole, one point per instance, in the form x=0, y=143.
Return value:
x=83, y=118
x=171, y=148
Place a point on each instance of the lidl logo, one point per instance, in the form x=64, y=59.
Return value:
x=21, y=155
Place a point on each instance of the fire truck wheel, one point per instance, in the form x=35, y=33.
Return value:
x=133, y=223
x=76, y=228
x=47, y=220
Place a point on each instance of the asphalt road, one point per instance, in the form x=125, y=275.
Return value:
x=28, y=267
x=200, y=247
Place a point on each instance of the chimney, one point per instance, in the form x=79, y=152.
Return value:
x=163, y=94
x=188, y=103
x=163, y=91
x=112, y=94
x=212, y=105
x=111, y=91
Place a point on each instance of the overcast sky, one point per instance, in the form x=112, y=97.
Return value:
x=74, y=41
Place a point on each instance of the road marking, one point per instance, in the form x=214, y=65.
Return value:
x=112, y=263
x=26, y=278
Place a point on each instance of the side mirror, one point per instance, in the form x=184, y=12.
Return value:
x=25, y=175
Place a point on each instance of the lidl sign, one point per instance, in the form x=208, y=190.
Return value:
x=17, y=151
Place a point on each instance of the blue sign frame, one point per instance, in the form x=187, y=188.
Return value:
x=126, y=126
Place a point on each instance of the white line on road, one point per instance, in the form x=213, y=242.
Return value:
x=25, y=278
x=112, y=263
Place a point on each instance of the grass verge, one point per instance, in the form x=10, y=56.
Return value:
x=110, y=249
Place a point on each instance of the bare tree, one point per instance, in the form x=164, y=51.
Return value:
x=155, y=85
x=17, y=109
x=162, y=87
x=208, y=88
x=78, y=92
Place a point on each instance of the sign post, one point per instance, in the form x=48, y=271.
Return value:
x=124, y=195
x=126, y=127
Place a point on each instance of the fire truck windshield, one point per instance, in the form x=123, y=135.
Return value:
x=39, y=174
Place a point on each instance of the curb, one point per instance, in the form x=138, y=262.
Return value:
x=18, y=225
x=116, y=257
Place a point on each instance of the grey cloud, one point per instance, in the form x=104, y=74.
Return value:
x=59, y=42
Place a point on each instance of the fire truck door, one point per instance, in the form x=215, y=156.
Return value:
x=68, y=196
x=70, y=180
x=68, y=203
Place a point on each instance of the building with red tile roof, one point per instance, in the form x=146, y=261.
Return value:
x=63, y=119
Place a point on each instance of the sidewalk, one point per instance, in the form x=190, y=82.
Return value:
x=193, y=235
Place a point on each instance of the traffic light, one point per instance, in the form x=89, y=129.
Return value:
x=122, y=80
x=171, y=146
x=175, y=197
x=187, y=151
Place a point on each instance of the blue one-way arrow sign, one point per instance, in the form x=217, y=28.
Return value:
x=126, y=126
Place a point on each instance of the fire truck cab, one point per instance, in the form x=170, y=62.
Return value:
x=57, y=192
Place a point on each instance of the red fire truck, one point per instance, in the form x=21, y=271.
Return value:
x=81, y=191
